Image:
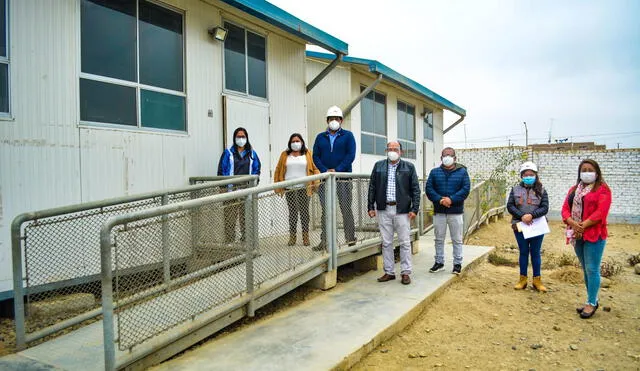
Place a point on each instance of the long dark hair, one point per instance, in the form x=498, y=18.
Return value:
x=303, y=150
x=246, y=146
x=537, y=186
x=599, y=179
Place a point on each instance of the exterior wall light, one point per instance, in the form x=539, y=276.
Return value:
x=218, y=33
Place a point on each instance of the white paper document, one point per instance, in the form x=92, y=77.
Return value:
x=537, y=227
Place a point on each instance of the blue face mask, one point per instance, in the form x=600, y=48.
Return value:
x=528, y=180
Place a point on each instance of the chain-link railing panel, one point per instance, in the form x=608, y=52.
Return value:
x=62, y=255
x=62, y=263
x=354, y=223
x=199, y=275
x=426, y=206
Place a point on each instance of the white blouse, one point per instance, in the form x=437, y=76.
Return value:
x=296, y=168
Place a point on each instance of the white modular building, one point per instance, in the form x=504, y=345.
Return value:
x=380, y=105
x=105, y=98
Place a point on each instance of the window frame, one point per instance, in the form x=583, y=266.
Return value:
x=246, y=94
x=6, y=116
x=405, y=140
x=426, y=123
x=372, y=134
x=138, y=86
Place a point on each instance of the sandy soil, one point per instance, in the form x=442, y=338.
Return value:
x=480, y=322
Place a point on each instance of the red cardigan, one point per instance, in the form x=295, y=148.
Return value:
x=595, y=206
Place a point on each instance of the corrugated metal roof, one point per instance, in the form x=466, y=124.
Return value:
x=278, y=17
x=389, y=74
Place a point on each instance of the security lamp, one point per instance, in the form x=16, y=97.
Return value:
x=218, y=33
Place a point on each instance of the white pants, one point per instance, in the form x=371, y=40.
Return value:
x=389, y=222
x=440, y=223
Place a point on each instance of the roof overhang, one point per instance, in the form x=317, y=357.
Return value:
x=273, y=15
x=395, y=77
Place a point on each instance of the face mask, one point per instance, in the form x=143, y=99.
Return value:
x=588, y=177
x=240, y=142
x=393, y=156
x=528, y=180
x=334, y=125
x=447, y=161
x=296, y=146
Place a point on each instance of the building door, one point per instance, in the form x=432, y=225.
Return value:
x=253, y=116
x=429, y=157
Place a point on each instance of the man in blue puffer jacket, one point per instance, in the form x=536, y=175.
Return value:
x=447, y=187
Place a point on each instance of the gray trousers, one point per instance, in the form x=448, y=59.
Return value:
x=455, y=223
x=389, y=222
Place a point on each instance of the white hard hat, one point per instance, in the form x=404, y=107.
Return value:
x=528, y=166
x=334, y=111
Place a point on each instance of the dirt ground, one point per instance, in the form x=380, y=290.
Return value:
x=481, y=323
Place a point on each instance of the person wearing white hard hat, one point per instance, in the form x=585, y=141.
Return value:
x=334, y=151
x=528, y=200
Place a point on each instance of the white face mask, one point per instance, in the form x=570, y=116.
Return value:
x=334, y=125
x=296, y=146
x=588, y=177
x=447, y=161
x=240, y=142
x=393, y=156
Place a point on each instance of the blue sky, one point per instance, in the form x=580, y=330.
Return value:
x=568, y=68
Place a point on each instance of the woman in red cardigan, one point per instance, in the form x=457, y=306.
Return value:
x=585, y=211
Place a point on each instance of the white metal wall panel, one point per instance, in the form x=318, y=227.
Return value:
x=39, y=165
x=333, y=90
x=286, y=91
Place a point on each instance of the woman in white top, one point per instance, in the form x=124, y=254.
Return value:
x=296, y=162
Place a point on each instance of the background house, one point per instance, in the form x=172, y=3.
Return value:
x=397, y=108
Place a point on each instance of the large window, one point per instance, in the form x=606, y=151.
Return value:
x=373, y=109
x=4, y=58
x=132, y=61
x=407, y=129
x=428, y=126
x=245, y=61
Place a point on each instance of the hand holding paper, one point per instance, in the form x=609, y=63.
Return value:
x=537, y=227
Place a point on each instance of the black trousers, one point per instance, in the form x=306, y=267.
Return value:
x=298, y=204
x=343, y=192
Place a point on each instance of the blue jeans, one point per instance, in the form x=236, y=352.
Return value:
x=528, y=247
x=590, y=256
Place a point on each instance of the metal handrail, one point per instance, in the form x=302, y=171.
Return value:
x=16, y=246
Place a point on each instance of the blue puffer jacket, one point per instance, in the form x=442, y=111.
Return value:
x=340, y=157
x=454, y=184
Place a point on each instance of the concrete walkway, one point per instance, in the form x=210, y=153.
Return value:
x=335, y=329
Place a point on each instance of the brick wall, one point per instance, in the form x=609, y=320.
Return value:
x=558, y=170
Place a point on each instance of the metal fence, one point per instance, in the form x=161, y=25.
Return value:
x=252, y=246
x=486, y=199
x=59, y=252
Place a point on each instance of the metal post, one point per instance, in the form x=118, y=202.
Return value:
x=166, y=258
x=359, y=202
x=334, y=221
x=325, y=72
x=328, y=219
x=107, y=298
x=347, y=110
x=18, y=293
x=477, y=195
x=251, y=243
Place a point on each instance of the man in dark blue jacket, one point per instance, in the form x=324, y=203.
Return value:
x=334, y=151
x=447, y=187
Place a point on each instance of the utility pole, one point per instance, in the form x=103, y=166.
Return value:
x=550, y=126
x=618, y=145
x=526, y=134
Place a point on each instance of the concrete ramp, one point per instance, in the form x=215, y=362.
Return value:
x=334, y=329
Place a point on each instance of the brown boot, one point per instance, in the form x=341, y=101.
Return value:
x=522, y=283
x=537, y=283
x=305, y=238
x=292, y=239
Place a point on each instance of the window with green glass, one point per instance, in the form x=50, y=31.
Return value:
x=373, y=109
x=132, y=64
x=245, y=61
x=407, y=129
